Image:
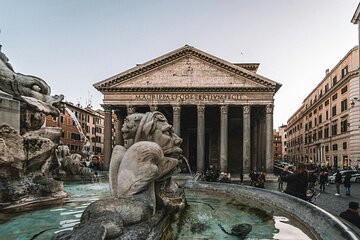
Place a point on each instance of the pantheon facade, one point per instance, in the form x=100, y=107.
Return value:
x=223, y=111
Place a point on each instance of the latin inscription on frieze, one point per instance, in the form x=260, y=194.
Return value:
x=188, y=97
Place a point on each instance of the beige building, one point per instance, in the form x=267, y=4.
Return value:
x=282, y=134
x=324, y=130
x=277, y=145
x=92, y=125
x=222, y=111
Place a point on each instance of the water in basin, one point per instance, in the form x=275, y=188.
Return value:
x=201, y=220
x=45, y=222
x=208, y=213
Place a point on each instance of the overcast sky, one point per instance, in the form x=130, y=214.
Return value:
x=74, y=44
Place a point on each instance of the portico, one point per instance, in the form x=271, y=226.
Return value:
x=222, y=111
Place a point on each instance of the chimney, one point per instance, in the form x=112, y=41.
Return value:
x=327, y=71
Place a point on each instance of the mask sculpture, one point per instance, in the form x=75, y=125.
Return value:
x=144, y=195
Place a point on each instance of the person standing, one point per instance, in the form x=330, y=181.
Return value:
x=347, y=183
x=253, y=177
x=260, y=181
x=297, y=183
x=338, y=179
x=352, y=214
x=322, y=181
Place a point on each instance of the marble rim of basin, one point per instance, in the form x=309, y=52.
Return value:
x=322, y=224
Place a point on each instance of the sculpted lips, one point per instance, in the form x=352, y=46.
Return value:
x=174, y=151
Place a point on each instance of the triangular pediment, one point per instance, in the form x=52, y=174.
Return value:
x=187, y=67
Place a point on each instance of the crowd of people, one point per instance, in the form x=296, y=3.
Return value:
x=300, y=183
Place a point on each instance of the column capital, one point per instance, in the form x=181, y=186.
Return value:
x=246, y=109
x=224, y=109
x=153, y=108
x=117, y=111
x=200, y=108
x=107, y=107
x=176, y=109
x=131, y=109
x=269, y=108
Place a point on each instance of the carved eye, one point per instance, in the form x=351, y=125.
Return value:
x=36, y=88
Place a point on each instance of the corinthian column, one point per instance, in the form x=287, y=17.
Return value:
x=269, y=156
x=200, y=138
x=107, y=136
x=177, y=119
x=119, y=122
x=246, y=139
x=224, y=139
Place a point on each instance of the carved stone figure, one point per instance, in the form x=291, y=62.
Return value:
x=27, y=158
x=70, y=165
x=140, y=181
x=32, y=92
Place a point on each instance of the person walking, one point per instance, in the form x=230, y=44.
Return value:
x=352, y=214
x=322, y=181
x=338, y=179
x=347, y=183
x=297, y=183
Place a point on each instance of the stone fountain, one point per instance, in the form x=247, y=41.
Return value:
x=29, y=154
x=144, y=196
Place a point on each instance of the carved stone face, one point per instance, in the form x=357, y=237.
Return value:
x=33, y=91
x=166, y=138
x=130, y=126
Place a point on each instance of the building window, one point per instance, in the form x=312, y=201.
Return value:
x=334, y=129
x=326, y=88
x=334, y=147
x=320, y=134
x=334, y=97
x=326, y=148
x=334, y=111
x=327, y=115
x=344, y=105
x=344, y=90
x=320, y=107
x=326, y=102
x=344, y=71
x=344, y=145
x=320, y=118
x=75, y=136
x=344, y=126
x=326, y=132
x=334, y=81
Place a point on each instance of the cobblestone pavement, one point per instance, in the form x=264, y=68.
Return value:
x=327, y=200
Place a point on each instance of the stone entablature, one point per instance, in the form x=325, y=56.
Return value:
x=188, y=98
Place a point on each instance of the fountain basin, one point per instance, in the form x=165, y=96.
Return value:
x=319, y=223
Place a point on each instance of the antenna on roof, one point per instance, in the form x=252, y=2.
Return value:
x=89, y=100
